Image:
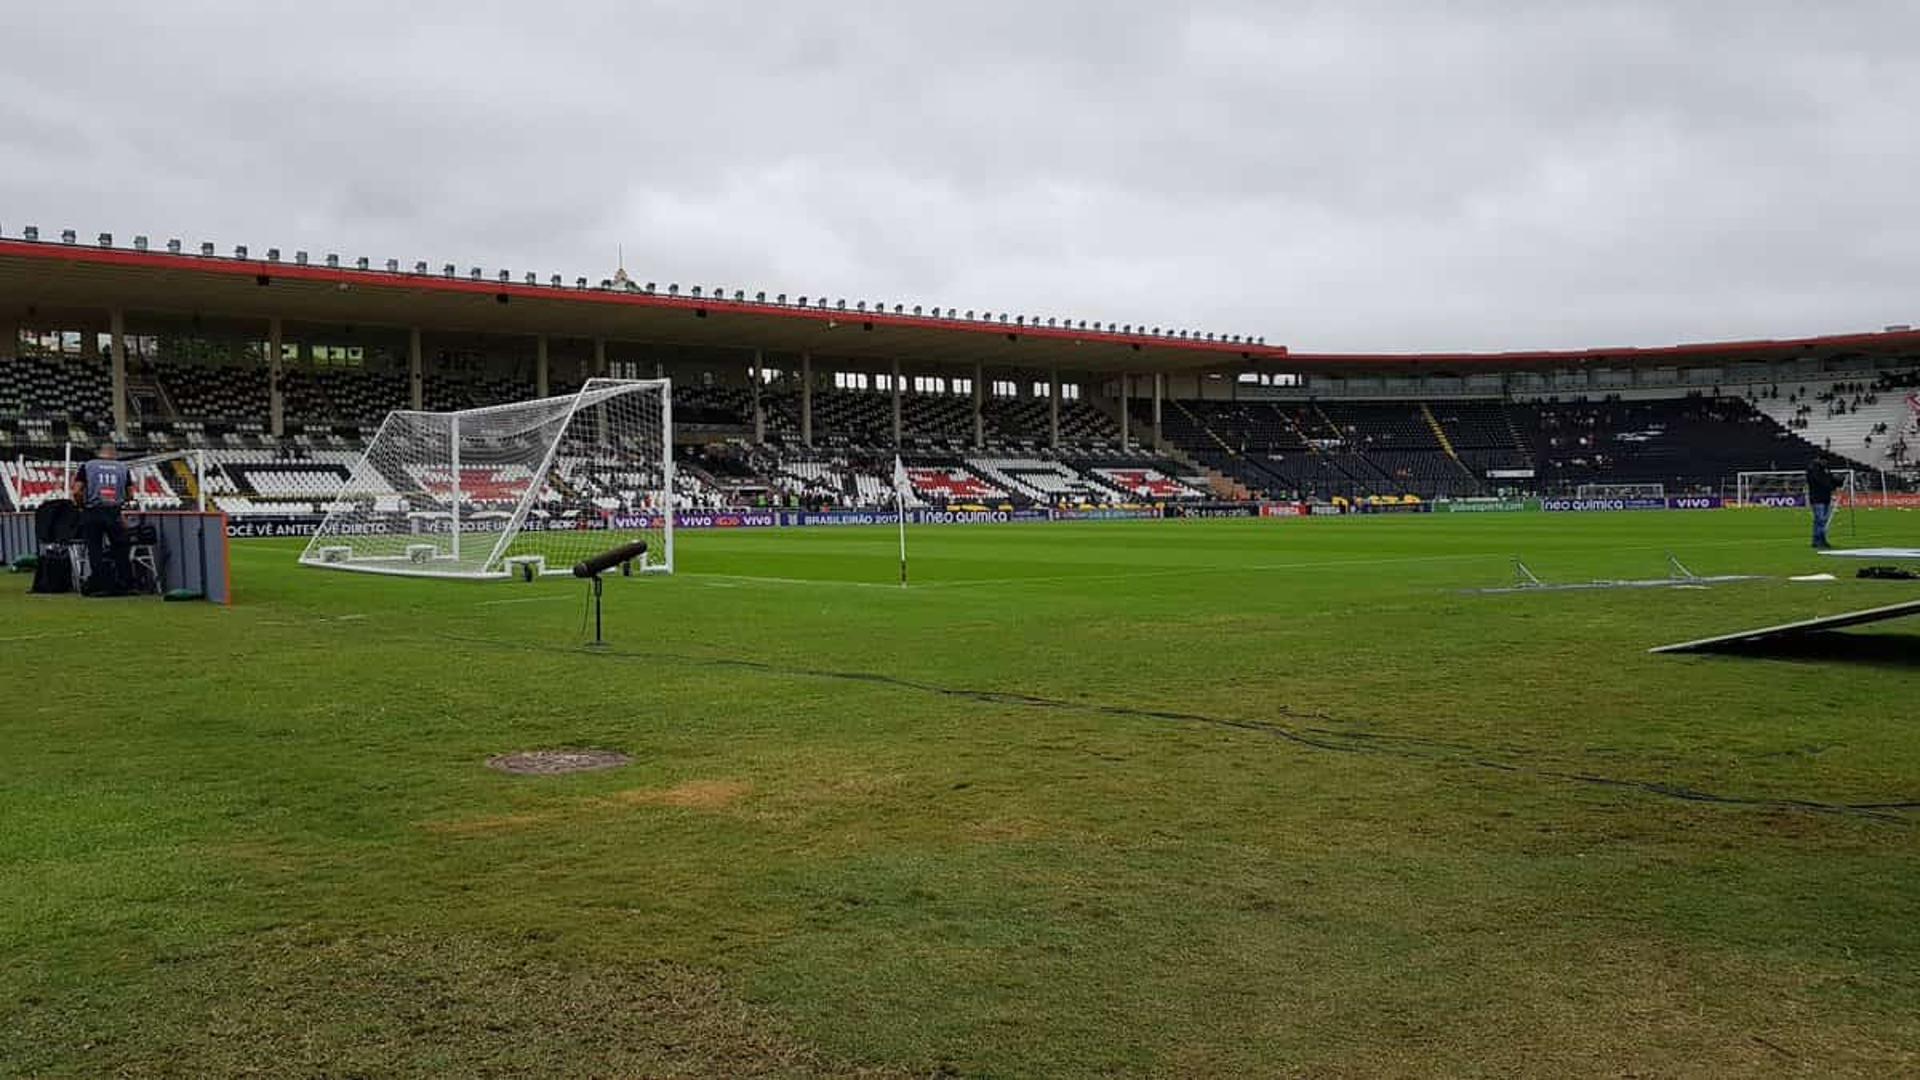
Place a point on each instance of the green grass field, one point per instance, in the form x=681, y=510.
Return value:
x=1183, y=798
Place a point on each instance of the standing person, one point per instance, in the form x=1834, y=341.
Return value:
x=105, y=486
x=1820, y=486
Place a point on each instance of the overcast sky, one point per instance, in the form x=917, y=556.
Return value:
x=1340, y=176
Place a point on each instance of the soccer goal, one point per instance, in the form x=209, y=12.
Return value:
x=1788, y=488
x=175, y=480
x=526, y=488
x=1622, y=491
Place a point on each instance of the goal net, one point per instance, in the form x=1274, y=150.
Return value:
x=169, y=481
x=533, y=486
x=1788, y=488
x=1622, y=491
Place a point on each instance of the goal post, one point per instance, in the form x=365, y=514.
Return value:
x=1621, y=491
x=1788, y=487
x=522, y=488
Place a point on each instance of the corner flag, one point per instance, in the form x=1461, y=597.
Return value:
x=902, y=486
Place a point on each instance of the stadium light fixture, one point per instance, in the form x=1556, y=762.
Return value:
x=419, y=267
x=694, y=292
x=505, y=276
x=333, y=261
x=273, y=254
x=803, y=301
x=916, y=309
x=139, y=243
x=474, y=273
x=858, y=306
x=649, y=290
x=31, y=232
x=532, y=278
x=842, y=305
x=969, y=314
x=780, y=299
x=673, y=288
x=239, y=251
x=579, y=283
x=300, y=258
x=739, y=296
x=393, y=266
x=760, y=298
x=555, y=281
x=67, y=236
x=362, y=263
x=449, y=270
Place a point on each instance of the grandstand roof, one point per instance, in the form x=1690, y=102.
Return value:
x=62, y=278
x=1897, y=342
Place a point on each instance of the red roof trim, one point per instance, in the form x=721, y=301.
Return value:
x=218, y=264
x=1692, y=350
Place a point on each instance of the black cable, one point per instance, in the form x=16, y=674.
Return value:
x=1406, y=748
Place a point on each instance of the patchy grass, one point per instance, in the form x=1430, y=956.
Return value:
x=1158, y=799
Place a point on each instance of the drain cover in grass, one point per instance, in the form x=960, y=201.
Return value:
x=554, y=762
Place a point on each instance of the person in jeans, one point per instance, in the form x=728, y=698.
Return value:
x=1820, y=486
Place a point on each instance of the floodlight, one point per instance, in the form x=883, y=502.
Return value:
x=273, y=254
x=859, y=306
x=393, y=266
x=739, y=296
x=239, y=251
x=300, y=258
x=803, y=301
x=505, y=276
x=916, y=309
x=67, y=236
x=206, y=248
x=31, y=232
x=554, y=281
x=694, y=292
x=969, y=314
x=419, y=267
x=333, y=261
x=673, y=288
x=532, y=278
x=780, y=298
x=139, y=243
x=1019, y=320
x=649, y=289
x=474, y=273
x=842, y=305
x=449, y=270
x=760, y=298
x=1049, y=320
x=579, y=283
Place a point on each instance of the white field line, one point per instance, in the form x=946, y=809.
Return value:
x=45, y=636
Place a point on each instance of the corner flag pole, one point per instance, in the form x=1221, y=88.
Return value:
x=900, y=484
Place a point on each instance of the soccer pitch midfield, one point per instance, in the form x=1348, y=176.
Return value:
x=1180, y=798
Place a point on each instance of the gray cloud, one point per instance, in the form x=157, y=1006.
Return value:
x=1334, y=176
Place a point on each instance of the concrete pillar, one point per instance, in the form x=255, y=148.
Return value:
x=276, y=398
x=1159, y=442
x=416, y=372
x=117, y=326
x=89, y=343
x=755, y=378
x=1053, y=407
x=599, y=357
x=806, y=399
x=540, y=367
x=979, y=421
x=896, y=405
x=1126, y=424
